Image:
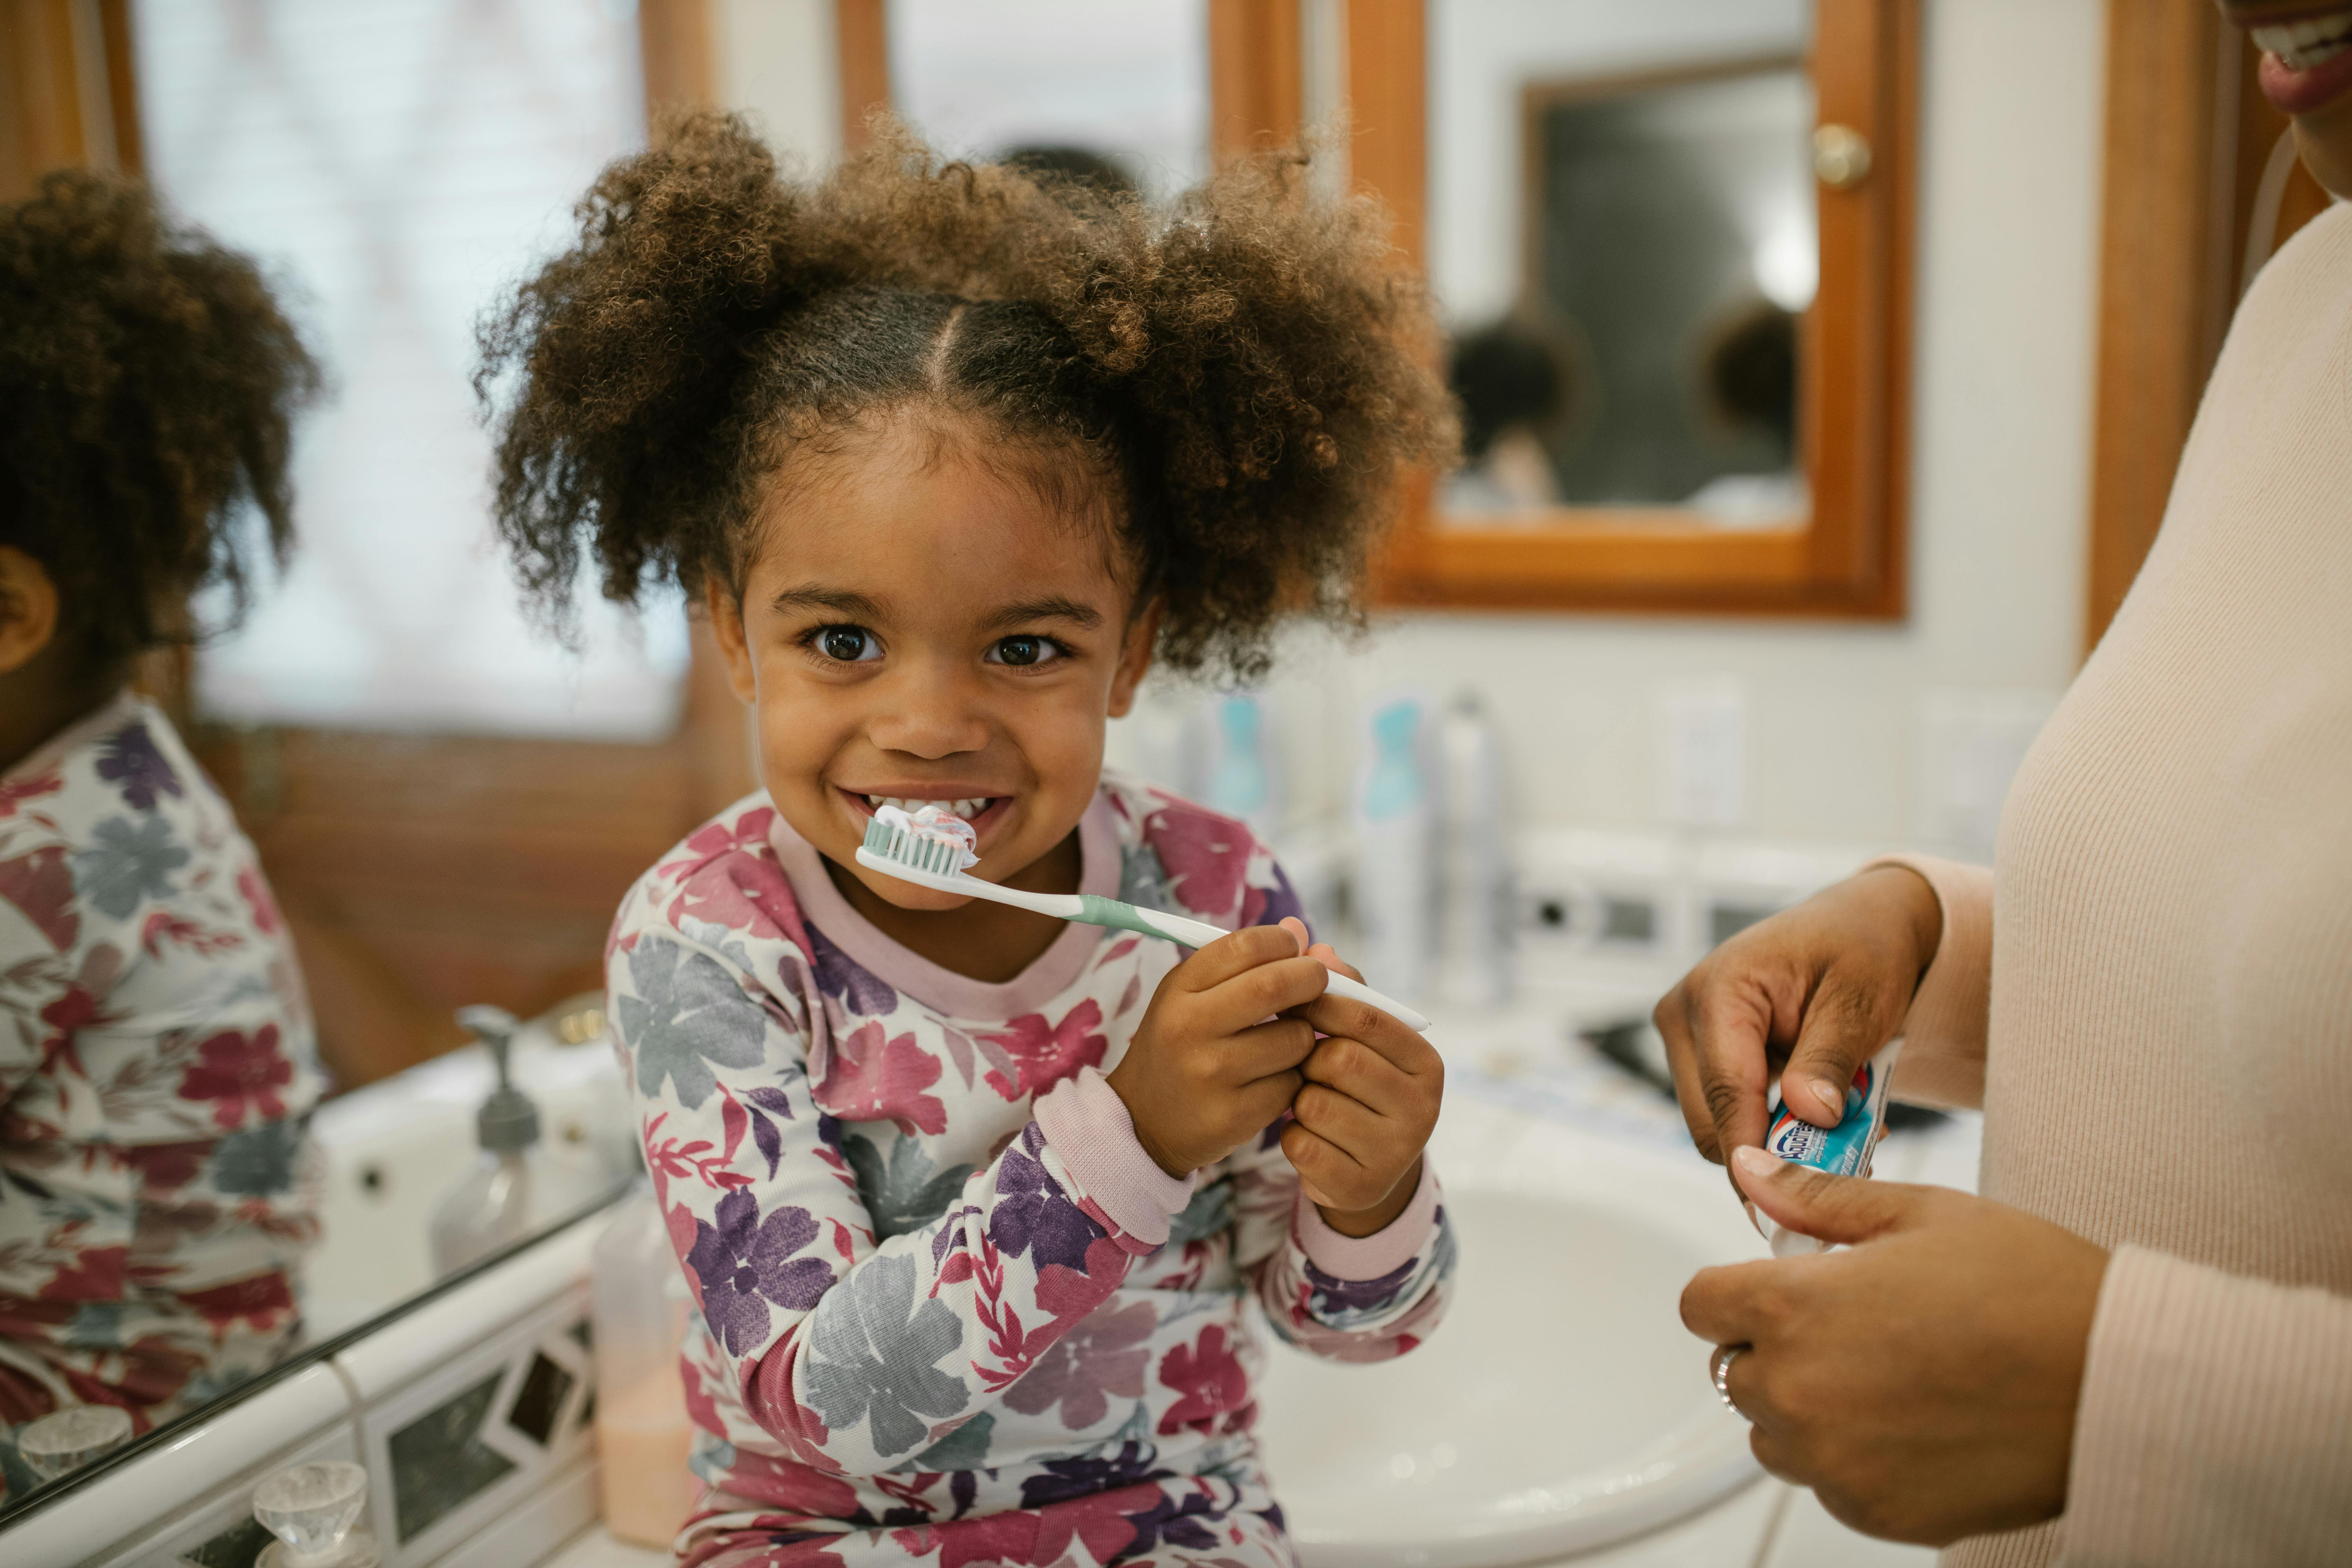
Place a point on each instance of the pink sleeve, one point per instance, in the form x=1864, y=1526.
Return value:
x=2215, y=1423
x=1944, y=1032
x=1088, y=1125
x=1386, y=1250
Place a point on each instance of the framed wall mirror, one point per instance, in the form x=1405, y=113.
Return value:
x=1671, y=241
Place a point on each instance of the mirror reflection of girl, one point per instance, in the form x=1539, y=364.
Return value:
x=971, y=1200
x=156, y=1055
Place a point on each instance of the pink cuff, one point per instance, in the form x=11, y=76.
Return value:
x=1944, y=1032
x=1384, y=1251
x=1088, y=1126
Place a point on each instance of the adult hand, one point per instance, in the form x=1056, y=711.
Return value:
x=1211, y=1066
x=1821, y=985
x=1370, y=1103
x=1924, y=1382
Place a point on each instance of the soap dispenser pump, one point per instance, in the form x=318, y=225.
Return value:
x=315, y=1510
x=491, y=1206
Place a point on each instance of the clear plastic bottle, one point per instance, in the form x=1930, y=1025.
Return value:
x=492, y=1206
x=1396, y=887
x=639, y=1305
x=1478, y=898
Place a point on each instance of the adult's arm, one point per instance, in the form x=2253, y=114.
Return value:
x=1943, y=1059
x=2215, y=1423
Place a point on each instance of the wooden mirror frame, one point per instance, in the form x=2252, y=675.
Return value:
x=1848, y=559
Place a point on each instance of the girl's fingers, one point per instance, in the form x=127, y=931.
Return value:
x=1365, y=1076
x=1283, y=986
x=1276, y=1045
x=1349, y=1125
x=1349, y=1019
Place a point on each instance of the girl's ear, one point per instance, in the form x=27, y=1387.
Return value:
x=28, y=609
x=1134, y=659
x=726, y=614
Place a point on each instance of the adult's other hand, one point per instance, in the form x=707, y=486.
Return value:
x=1924, y=1382
x=1821, y=985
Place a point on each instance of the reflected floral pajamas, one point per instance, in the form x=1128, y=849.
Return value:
x=950, y=1312
x=157, y=1189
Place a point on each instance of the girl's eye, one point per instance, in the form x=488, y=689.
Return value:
x=1024, y=650
x=848, y=645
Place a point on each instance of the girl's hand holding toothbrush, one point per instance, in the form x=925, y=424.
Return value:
x=1366, y=1111
x=1218, y=1055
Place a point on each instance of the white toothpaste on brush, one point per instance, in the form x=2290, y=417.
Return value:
x=1845, y=1149
x=936, y=825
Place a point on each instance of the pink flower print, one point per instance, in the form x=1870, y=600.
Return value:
x=1206, y=856
x=1043, y=1057
x=1104, y=1355
x=14, y=795
x=241, y=1074
x=41, y=884
x=869, y=1080
x=263, y=1301
x=256, y=893
x=1214, y=1387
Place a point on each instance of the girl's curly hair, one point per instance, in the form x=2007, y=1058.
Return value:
x=148, y=384
x=1248, y=370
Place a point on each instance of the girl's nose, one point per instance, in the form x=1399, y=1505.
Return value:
x=930, y=712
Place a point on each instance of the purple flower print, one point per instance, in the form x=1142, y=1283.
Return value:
x=1175, y=1523
x=744, y=1263
x=1032, y=1210
x=1271, y=906
x=1332, y=1297
x=1068, y=1479
x=129, y=758
x=842, y=977
x=1104, y=1354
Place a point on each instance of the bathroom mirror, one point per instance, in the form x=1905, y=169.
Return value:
x=1670, y=240
x=448, y=807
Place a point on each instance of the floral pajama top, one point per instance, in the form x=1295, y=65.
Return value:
x=156, y=1062
x=950, y=1311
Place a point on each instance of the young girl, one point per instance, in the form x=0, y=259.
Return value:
x=156, y=1058
x=970, y=1199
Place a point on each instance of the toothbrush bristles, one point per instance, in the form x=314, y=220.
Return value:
x=911, y=851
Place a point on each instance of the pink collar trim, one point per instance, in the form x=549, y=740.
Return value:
x=956, y=996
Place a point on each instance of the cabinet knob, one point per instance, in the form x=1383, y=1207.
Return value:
x=1841, y=156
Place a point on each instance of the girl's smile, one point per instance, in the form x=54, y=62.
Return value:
x=923, y=621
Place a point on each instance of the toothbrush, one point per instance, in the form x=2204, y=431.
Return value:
x=931, y=848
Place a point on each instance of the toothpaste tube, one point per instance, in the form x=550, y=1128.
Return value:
x=1842, y=1150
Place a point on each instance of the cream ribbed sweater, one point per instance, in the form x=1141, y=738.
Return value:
x=2151, y=991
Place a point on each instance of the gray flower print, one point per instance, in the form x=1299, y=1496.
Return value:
x=686, y=1014
x=1142, y=880
x=127, y=862
x=1210, y=1211
x=258, y=1162
x=907, y=1193
x=874, y=1354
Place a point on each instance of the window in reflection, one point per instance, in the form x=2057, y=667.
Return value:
x=397, y=161
x=1622, y=236
x=1127, y=83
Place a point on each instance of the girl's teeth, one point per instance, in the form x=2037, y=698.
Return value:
x=2303, y=45
x=967, y=809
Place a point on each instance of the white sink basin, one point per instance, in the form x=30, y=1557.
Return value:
x=1563, y=1406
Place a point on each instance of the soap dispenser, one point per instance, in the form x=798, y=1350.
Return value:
x=315, y=1511
x=491, y=1206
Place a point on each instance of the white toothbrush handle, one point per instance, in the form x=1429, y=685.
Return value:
x=1200, y=934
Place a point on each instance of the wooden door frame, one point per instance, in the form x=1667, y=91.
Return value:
x=2189, y=140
